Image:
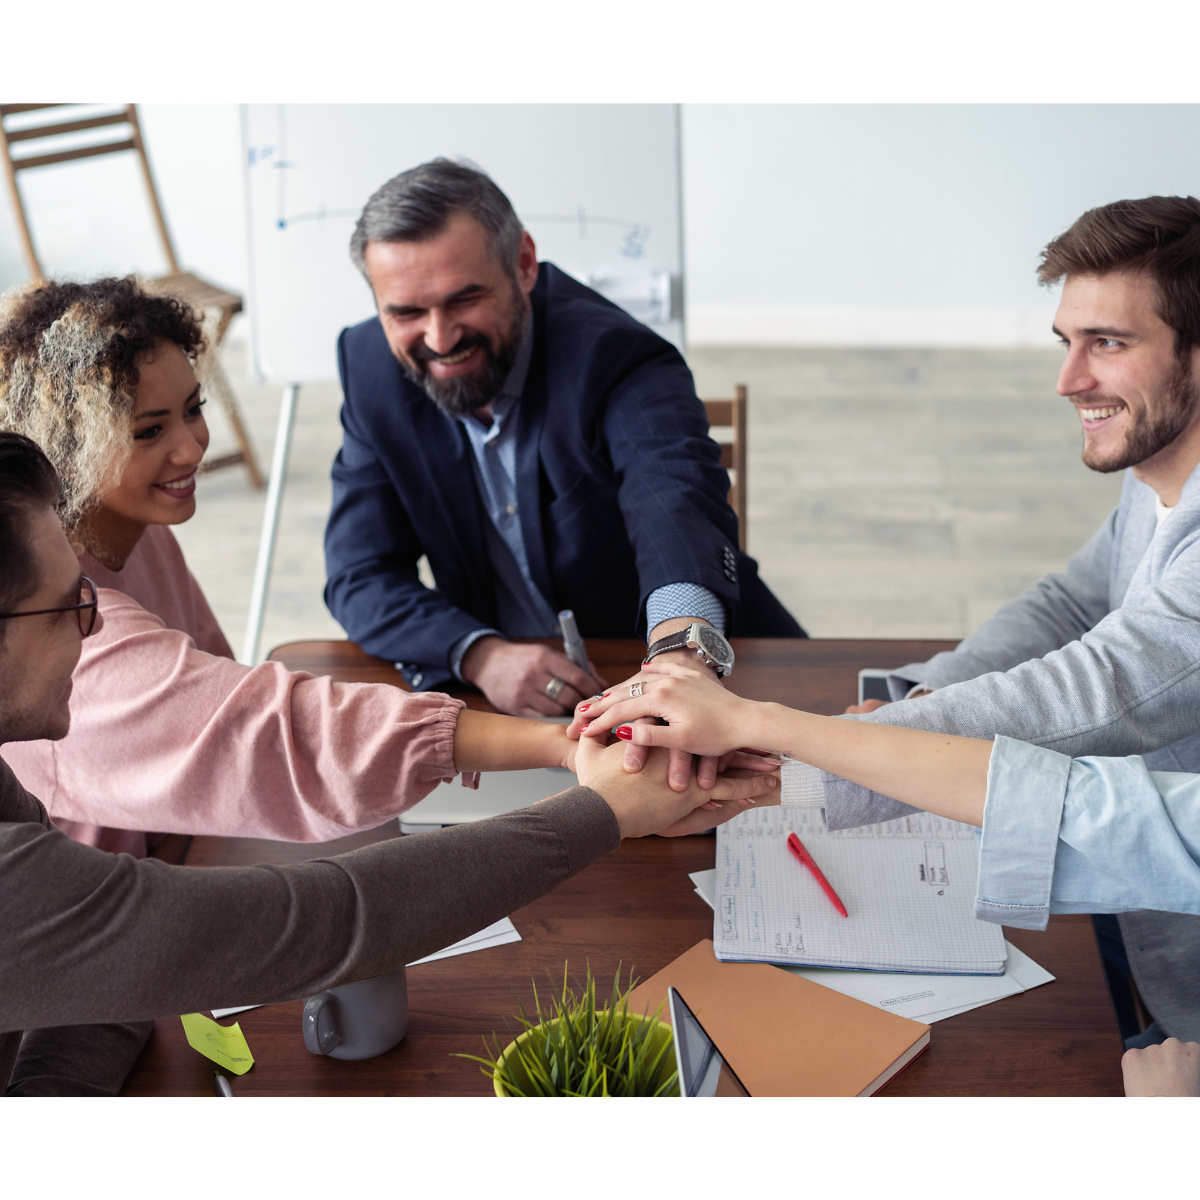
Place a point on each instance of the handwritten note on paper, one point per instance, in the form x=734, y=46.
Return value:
x=909, y=885
x=224, y=1044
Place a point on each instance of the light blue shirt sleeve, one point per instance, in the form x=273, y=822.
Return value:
x=459, y=650
x=684, y=600
x=1085, y=835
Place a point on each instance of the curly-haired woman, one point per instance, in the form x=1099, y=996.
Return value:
x=168, y=732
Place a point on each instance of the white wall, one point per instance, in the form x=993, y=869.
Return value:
x=826, y=224
x=903, y=224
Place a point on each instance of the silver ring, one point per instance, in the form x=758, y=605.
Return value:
x=554, y=687
x=635, y=688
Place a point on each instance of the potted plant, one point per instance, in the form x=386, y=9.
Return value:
x=575, y=1049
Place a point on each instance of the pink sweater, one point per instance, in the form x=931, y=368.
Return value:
x=168, y=733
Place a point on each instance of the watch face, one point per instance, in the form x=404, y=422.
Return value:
x=715, y=646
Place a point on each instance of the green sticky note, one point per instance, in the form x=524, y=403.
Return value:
x=223, y=1044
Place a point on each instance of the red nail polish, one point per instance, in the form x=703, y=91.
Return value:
x=624, y=733
x=605, y=694
x=584, y=707
x=585, y=724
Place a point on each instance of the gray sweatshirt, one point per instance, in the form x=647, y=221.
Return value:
x=94, y=946
x=1102, y=658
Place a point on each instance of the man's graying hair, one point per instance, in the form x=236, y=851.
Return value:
x=417, y=204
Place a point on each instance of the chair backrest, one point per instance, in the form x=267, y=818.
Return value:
x=51, y=132
x=731, y=414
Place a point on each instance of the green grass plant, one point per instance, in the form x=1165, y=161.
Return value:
x=575, y=1049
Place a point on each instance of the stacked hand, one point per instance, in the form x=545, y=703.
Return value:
x=643, y=804
x=701, y=718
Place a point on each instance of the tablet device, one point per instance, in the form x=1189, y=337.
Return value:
x=702, y=1070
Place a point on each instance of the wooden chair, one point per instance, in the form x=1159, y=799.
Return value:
x=731, y=414
x=216, y=305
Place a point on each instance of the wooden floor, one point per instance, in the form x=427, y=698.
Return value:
x=893, y=493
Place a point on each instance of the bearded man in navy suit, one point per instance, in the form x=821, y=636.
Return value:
x=539, y=446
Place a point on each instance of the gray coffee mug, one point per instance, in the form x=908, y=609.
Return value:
x=357, y=1020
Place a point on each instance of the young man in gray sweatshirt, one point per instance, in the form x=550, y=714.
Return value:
x=1104, y=656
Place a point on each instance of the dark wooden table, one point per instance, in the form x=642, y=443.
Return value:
x=637, y=909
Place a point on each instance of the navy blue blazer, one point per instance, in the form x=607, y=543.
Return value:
x=620, y=490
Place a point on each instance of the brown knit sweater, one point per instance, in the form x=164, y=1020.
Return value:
x=93, y=945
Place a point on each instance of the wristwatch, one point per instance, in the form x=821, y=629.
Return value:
x=709, y=645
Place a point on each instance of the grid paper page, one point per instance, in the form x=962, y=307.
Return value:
x=908, y=885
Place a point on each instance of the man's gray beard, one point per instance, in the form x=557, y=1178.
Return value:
x=462, y=396
x=1150, y=434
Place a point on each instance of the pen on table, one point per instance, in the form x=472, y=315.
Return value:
x=796, y=846
x=221, y=1085
x=573, y=646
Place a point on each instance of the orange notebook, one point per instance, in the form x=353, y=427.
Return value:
x=782, y=1035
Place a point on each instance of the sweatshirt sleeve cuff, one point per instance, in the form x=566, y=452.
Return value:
x=801, y=786
x=443, y=727
x=1026, y=787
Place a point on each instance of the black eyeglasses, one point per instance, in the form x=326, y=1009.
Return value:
x=85, y=610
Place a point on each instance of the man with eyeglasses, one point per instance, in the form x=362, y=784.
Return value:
x=33, y=650
x=94, y=945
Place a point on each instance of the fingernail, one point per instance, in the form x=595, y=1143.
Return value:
x=603, y=694
x=585, y=724
x=584, y=707
x=771, y=781
x=624, y=733
x=680, y=779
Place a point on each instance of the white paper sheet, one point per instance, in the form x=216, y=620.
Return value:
x=925, y=998
x=909, y=886
x=499, y=933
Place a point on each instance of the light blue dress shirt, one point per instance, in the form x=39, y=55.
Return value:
x=521, y=609
x=1085, y=835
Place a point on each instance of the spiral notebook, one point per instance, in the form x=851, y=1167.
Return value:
x=908, y=886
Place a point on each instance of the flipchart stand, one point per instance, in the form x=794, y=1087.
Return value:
x=270, y=525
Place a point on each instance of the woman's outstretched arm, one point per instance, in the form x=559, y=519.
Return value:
x=1062, y=835
x=938, y=772
x=490, y=742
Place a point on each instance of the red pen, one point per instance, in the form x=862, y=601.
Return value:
x=796, y=846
